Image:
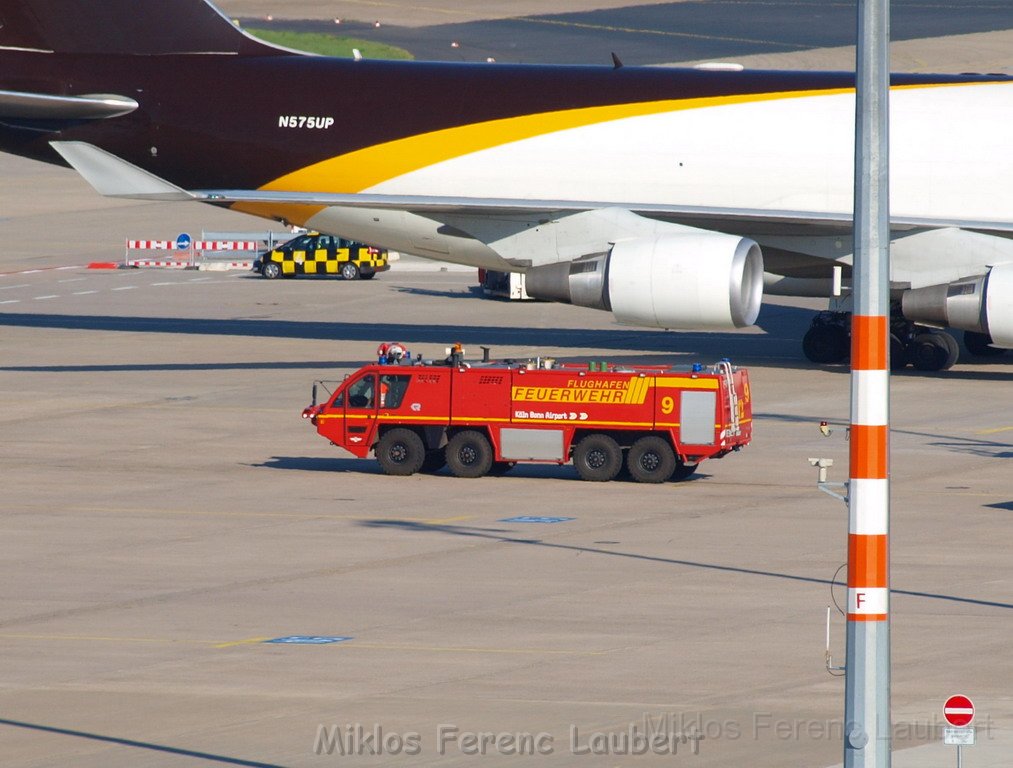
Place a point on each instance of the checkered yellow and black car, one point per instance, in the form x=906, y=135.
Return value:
x=316, y=254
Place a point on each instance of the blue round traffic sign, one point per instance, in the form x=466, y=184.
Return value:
x=183, y=241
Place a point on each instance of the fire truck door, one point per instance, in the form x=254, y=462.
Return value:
x=360, y=410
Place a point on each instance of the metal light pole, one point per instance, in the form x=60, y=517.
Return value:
x=867, y=722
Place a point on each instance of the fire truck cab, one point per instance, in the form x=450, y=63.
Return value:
x=478, y=418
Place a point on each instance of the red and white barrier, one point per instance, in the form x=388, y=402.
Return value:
x=163, y=264
x=185, y=261
x=192, y=257
x=226, y=245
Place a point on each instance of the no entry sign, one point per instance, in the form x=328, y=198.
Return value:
x=958, y=711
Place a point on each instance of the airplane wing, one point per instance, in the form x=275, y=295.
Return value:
x=114, y=177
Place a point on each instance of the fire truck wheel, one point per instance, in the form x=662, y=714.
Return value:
x=349, y=271
x=500, y=468
x=651, y=460
x=469, y=454
x=435, y=460
x=682, y=471
x=400, y=452
x=598, y=458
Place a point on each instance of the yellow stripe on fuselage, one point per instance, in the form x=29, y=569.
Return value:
x=358, y=171
x=365, y=168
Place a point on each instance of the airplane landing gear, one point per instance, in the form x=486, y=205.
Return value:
x=828, y=341
x=933, y=351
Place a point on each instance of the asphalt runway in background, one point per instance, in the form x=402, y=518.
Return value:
x=658, y=33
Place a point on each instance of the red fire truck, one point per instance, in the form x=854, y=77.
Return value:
x=478, y=418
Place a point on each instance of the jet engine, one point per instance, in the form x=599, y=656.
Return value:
x=979, y=304
x=686, y=281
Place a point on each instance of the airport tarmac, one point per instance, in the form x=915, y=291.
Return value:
x=165, y=511
x=772, y=34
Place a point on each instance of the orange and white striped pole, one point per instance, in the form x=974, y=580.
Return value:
x=867, y=725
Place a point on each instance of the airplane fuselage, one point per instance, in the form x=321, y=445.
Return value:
x=628, y=136
x=666, y=196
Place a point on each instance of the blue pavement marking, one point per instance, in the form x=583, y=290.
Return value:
x=309, y=639
x=535, y=519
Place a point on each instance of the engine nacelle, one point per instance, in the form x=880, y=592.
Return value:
x=981, y=304
x=686, y=281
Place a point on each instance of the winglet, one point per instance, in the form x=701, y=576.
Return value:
x=616, y=63
x=114, y=177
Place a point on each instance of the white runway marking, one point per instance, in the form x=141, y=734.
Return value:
x=50, y=296
x=11, y=301
x=125, y=288
x=72, y=280
x=83, y=293
x=11, y=287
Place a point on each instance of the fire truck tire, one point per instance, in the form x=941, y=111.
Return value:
x=349, y=271
x=400, y=452
x=598, y=458
x=435, y=460
x=682, y=471
x=469, y=454
x=271, y=270
x=500, y=468
x=651, y=460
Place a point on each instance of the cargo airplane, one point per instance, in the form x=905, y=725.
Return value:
x=671, y=198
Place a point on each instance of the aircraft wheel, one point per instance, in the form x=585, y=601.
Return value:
x=978, y=344
x=825, y=344
x=469, y=454
x=952, y=347
x=349, y=271
x=898, y=355
x=598, y=458
x=271, y=270
x=400, y=452
x=931, y=352
x=682, y=471
x=651, y=460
